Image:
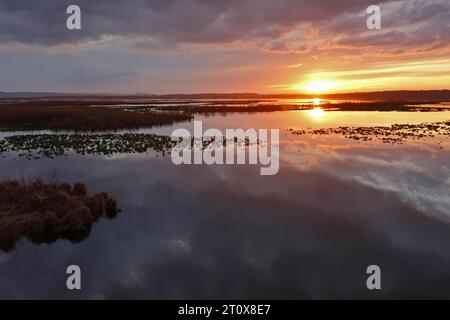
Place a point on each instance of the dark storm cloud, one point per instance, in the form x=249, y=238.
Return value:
x=406, y=24
x=196, y=21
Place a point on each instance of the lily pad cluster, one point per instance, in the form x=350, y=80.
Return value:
x=38, y=146
x=397, y=133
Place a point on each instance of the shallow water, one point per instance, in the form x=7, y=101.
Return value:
x=336, y=207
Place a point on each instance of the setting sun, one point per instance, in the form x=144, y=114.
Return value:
x=319, y=86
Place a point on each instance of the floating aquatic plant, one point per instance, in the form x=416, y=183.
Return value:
x=57, y=145
x=396, y=133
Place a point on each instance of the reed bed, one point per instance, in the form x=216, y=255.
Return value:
x=84, y=118
x=44, y=213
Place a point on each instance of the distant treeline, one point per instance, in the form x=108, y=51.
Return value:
x=403, y=95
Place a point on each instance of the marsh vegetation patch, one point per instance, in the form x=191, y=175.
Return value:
x=397, y=133
x=44, y=213
x=51, y=116
x=36, y=146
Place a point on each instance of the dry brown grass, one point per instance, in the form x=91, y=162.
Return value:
x=45, y=213
x=32, y=117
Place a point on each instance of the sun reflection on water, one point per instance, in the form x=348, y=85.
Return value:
x=317, y=113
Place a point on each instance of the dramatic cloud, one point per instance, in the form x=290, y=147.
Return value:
x=221, y=46
x=194, y=21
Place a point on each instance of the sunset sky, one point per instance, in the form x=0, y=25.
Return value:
x=197, y=46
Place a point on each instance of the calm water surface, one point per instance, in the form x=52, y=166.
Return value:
x=336, y=207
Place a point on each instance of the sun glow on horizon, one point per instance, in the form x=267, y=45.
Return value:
x=316, y=101
x=319, y=86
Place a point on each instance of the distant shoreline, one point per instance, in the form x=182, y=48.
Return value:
x=398, y=95
x=106, y=114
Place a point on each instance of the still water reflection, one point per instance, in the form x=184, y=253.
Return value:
x=335, y=207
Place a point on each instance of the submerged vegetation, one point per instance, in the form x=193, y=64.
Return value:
x=44, y=213
x=396, y=133
x=37, y=146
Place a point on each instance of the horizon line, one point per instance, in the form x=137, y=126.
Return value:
x=217, y=93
